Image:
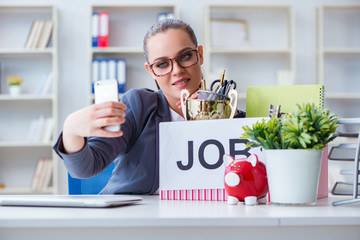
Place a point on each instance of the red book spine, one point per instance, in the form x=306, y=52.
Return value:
x=104, y=29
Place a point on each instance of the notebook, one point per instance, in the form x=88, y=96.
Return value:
x=89, y=201
x=258, y=99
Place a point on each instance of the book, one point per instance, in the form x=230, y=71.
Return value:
x=47, y=84
x=36, y=129
x=259, y=98
x=45, y=176
x=38, y=29
x=37, y=174
x=95, y=29
x=47, y=133
x=103, y=40
x=45, y=35
x=31, y=35
x=42, y=175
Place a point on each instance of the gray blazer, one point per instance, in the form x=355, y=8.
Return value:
x=136, y=153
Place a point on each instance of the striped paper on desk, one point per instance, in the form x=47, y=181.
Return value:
x=194, y=194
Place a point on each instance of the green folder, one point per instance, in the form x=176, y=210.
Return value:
x=258, y=99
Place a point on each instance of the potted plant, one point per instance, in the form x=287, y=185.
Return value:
x=292, y=147
x=14, y=85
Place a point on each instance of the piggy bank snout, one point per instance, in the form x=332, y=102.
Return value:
x=232, y=179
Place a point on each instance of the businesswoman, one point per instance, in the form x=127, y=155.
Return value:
x=173, y=59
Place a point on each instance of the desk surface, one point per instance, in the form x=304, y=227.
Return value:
x=170, y=214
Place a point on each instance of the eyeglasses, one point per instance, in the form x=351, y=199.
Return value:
x=165, y=66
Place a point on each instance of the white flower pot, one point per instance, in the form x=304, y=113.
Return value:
x=14, y=90
x=293, y=175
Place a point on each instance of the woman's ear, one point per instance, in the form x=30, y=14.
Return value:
x=147, y=67
x=201, y=54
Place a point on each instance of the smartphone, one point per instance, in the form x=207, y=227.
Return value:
x=107, y=91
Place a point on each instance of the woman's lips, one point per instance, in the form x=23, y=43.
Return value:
x=181, y=83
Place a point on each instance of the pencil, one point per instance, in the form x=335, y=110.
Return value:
x=222, y=78
x=202, y=84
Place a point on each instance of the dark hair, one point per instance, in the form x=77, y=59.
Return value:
x=163, y=26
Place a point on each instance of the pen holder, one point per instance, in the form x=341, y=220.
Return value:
x=199, y=109
x=209, y=95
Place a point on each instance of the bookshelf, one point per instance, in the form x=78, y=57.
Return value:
x=125, y=42
x=338, y=57
x=19, y=154
x=269, y=44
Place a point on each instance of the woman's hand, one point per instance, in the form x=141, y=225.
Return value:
x=91, y=121
x=195, y=95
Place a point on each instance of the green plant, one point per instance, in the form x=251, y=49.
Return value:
x=14, y=80
x=309, y=127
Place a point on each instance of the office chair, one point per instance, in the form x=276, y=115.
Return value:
x=91, y=185
x=347, y=152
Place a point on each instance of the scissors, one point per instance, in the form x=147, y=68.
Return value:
x=226, y=86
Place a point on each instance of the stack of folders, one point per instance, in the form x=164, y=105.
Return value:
x=100, y=29
x=39, y=35
x=109, y=69
x=42, y=175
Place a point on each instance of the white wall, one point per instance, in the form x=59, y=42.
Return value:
x=73, y=54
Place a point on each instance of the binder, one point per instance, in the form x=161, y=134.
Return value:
x=259, y=98
x=104, y=29
x=95, y=73
x=112, y=69
x=95, y=29
x=121, y=74
x=103, y=69
x=109, y=68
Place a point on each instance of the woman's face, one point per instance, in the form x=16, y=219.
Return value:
x=171, y=44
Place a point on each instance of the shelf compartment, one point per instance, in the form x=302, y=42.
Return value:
x=15, y=124
x=121, y=30
x=260, y=20
x=338, y=26
x=242, y=71
x=19, y=19
x=17, y=165
x=342, y=74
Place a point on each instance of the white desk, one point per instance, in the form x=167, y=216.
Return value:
x=160, y=219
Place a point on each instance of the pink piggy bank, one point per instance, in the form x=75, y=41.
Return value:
x=245, y=179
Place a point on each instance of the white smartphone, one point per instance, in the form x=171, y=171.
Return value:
x=107, y=91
